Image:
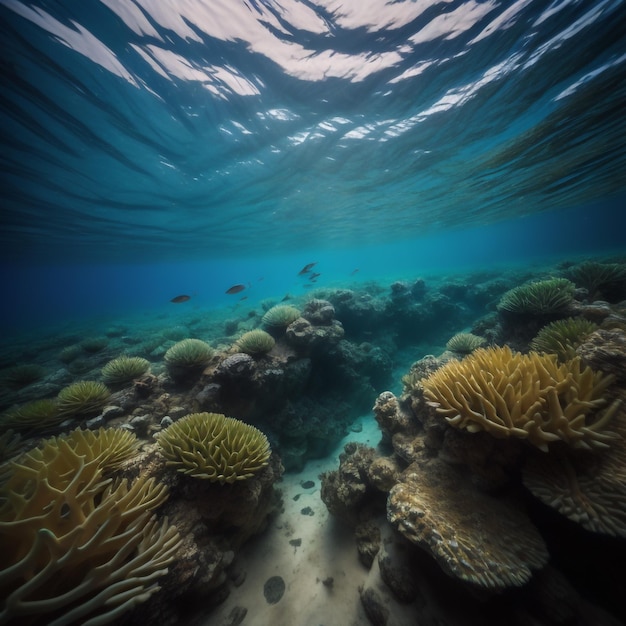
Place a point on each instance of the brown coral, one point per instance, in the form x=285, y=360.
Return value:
x=589, y=489
x=527, y=396
x=77, y=547
x=478, y=538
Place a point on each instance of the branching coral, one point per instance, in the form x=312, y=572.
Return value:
x=563, y=337
x=124, y=369
x=109, y=446
x=540, y=298
x=214, y=447
x=530, y=396
x=78, y=548
x=82, y=399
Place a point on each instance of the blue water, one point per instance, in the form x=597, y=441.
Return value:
x=152, y=149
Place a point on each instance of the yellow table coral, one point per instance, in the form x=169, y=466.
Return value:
x=530, y=396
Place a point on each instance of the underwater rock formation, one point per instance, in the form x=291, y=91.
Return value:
x=344, y=490
x=479, y=538
x=459, y=495
x=309, y=338
x=605, y=351
x=213, y=522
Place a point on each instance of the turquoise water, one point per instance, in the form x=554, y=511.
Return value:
x=149, y=151
x=59, y=294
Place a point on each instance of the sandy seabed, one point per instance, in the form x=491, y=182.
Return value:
x=312, y=552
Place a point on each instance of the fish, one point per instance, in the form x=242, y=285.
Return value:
x=182, y=298
x=287, y=297
x=353, y=272
x=235, y=289
x=314, y=275
x=306, y=268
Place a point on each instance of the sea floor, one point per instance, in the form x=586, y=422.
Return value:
x=304, y=569
x=313, y=553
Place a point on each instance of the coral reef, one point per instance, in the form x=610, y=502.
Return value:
x=124, y=369
x=605, y=350
x=453, y=502
x=319, y=312
x=345, y=489
x=82, y=399
x=214, y=447
x=528, y=396
x=456, y=461
x=310, y=338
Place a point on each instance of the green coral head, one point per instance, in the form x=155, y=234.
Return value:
x=280, y=316
x=85, y=398
x=124, y=369
x=255, y=342
x=562, y=337
x=189, y=353
x=597, y=277
x=34, y=415
x=20, y=376
x=214, y=447
x=464, y=343
x=539, y=298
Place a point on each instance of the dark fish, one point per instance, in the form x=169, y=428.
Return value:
x=236, y=289
x=353, y=272
x=243, y=298
x=182, y=298
x=306, y=268
x=287, y=297
x=314, y=275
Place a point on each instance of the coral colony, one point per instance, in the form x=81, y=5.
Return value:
x=139, y=468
